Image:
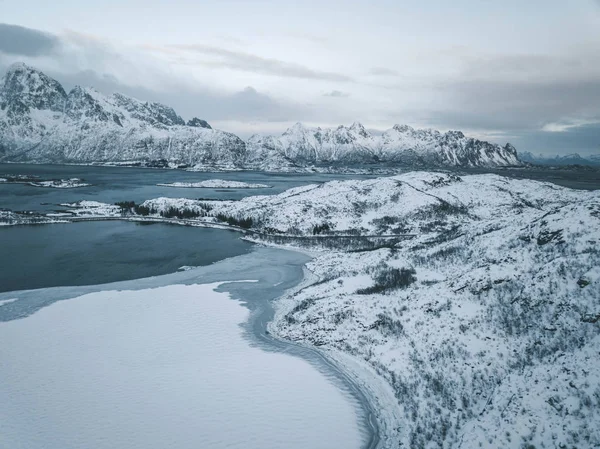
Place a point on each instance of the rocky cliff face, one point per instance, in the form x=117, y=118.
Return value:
x=40, y=122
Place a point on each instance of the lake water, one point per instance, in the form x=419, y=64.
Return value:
x=112, y=184
x=99, y=252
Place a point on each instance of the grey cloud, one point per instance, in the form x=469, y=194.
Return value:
x=247, y=104
x=252, y=63
x=17, y=40
x=336, y=94
x=383, y=71
x=497, y=105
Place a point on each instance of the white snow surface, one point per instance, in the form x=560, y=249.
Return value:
x=158, y=368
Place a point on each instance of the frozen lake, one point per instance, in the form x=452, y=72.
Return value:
x=156, y=368
x=167, y=362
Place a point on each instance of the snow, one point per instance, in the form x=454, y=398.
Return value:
x=217, y=184
x=495, y=342
x=156, y=368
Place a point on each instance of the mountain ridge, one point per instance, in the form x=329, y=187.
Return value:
x=41, y=122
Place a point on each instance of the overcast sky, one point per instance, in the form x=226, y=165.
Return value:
x=527, y=72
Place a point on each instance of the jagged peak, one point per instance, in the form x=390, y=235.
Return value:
x=456, y=134
x=19, y=66
x=126, y=98
x=25, y=87
x=198, y=123
x=403, y=128
x=298, y=127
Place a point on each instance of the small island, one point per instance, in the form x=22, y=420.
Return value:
x=36, y=181
x=216, y=184
x=71, y=183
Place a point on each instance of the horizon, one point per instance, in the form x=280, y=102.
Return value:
x=522, y=74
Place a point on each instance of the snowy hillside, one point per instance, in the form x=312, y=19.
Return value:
x=355, y=145
x=486, y=324
x=40, y=122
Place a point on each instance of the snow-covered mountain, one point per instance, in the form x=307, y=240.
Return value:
x=558, y=160
x=40, y=122
x=355, y=145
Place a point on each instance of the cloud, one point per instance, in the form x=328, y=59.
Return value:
x=383, y=71
x=248, y=62
x=18, y=40
x=336, y=94
x=237, y=108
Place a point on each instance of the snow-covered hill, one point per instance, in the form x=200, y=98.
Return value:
x=40, y=122
x=355, y=145
x=485, y=325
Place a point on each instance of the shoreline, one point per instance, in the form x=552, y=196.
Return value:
x=378, y=396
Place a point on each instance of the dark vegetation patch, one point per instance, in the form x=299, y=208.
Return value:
x=389, y=279
x=545, y=237
x=245, y=223
x=324, y=228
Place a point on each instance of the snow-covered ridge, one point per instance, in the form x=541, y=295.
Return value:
x=217, y=184
x=400, y=144
x=40, y=122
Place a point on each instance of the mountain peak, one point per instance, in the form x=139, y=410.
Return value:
x=19, y=67
x=403, y=128
x=297, y=128
x=198, y=123
x=24, y=87
x=358, y=128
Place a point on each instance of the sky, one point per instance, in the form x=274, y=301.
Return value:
x=512, y=71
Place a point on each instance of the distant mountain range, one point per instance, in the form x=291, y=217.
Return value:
x=569, y=159
x=41, y=122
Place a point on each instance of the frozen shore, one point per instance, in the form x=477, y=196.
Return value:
x=299, y=422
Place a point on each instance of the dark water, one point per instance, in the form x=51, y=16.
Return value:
x=586, y=179
x=112, y=184
x=98, y=252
